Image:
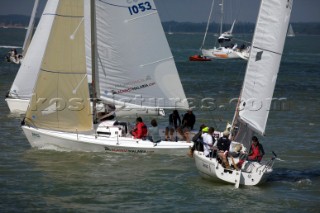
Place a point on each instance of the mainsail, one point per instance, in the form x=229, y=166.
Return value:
x=136, y=66
x=263, y=65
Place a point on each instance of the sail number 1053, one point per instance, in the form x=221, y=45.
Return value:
x=141, y=7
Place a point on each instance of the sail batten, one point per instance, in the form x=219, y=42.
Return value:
x=268, y=50
x=64, y=72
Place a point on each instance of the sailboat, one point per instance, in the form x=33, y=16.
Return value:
x=222, y=52
x=170, y=31
x=290, y=32
x=59, y=116
x=21, y=89
x=255, y=99
x=15, y=57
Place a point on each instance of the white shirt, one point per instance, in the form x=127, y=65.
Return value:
x=207, y=143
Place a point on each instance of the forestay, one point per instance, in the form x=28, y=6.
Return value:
x=263, y=64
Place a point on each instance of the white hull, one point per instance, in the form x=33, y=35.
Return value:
x=17, y=105
x=225, y=53
x=63, y=141
x=252, y=173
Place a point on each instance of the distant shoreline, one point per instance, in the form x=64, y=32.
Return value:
x=312, y=28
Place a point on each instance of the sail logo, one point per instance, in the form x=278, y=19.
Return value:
x=130, y=89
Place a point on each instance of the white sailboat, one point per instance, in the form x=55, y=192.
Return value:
x=222, y=52
x=290, y=32
x=227, y=36
x=20, y=93
x=21, y=89
x=125, y=72
x=255, y=99
x=15, y=57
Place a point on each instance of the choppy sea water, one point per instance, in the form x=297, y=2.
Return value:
x=34, y=180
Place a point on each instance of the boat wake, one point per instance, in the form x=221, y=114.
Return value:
x=299, y=177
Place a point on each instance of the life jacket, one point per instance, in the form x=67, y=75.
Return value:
x=140, y=131
x=255, y=153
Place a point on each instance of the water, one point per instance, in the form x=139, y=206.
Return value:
x=49, y=181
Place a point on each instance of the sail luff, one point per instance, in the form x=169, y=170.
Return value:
x=61, y=95
x=30, y=30
x=264, y=62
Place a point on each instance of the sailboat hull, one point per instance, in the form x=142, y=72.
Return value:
x=17, y=105
x=225, y=53
x=66, y=141
x=251, y=174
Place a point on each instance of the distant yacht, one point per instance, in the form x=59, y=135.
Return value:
x=290, y=32
x=170, y=32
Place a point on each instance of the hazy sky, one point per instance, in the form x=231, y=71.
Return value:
x=196, y=10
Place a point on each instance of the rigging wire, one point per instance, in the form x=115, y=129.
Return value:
x=208, y=23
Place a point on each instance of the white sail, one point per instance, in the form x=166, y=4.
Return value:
x=60, y=115
x=290, y=31
x=135, y=64
x=27, y=74
x=264, y=62
x=259, y=83
x=30, y=30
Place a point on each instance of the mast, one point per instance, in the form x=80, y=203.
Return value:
x=93, y=59
x=221, y=18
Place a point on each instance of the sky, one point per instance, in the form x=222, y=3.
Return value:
x=196, y=10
